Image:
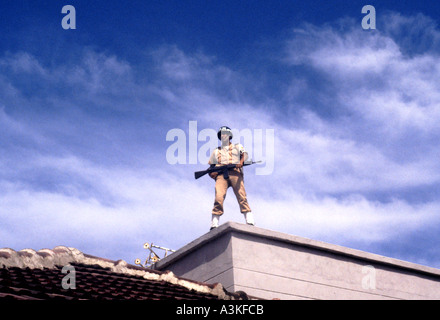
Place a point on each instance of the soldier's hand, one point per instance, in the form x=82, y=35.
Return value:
x=213, y=175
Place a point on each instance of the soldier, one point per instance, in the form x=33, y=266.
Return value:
x=229, y=153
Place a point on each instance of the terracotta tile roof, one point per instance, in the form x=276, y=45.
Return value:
x=30, y=275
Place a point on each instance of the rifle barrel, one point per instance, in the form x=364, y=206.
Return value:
x=199, y=174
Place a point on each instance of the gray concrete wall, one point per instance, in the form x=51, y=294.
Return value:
x=272, y=265
x=202, y=261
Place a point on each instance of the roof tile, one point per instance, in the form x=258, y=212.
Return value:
x=30, y=274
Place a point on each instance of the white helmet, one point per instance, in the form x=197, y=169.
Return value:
x=224, y=129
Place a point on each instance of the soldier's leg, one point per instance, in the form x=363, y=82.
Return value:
x=237, y=183
x=221, y=186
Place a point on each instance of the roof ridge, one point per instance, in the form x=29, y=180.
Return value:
x=63, y=256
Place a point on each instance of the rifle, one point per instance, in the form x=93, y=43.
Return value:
x=221, y=169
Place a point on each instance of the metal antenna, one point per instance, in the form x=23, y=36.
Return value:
x=153, y=257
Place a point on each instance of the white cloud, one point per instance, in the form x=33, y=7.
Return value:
x=416, y=34
x=143, y=206
x=23, y=62
x=342, y=221
x=100, y=73
x=385, y=108
x=322, y=163
x=342, y=55
x=371, y=76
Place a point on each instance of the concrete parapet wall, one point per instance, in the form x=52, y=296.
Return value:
x=271, y=265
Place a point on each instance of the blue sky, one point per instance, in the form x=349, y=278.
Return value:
x=84, y=116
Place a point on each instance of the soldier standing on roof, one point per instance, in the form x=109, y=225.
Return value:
x=229, y=153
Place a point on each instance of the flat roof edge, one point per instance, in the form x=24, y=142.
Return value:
x=296, y=240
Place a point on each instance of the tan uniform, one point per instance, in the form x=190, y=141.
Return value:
x=228, y=155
